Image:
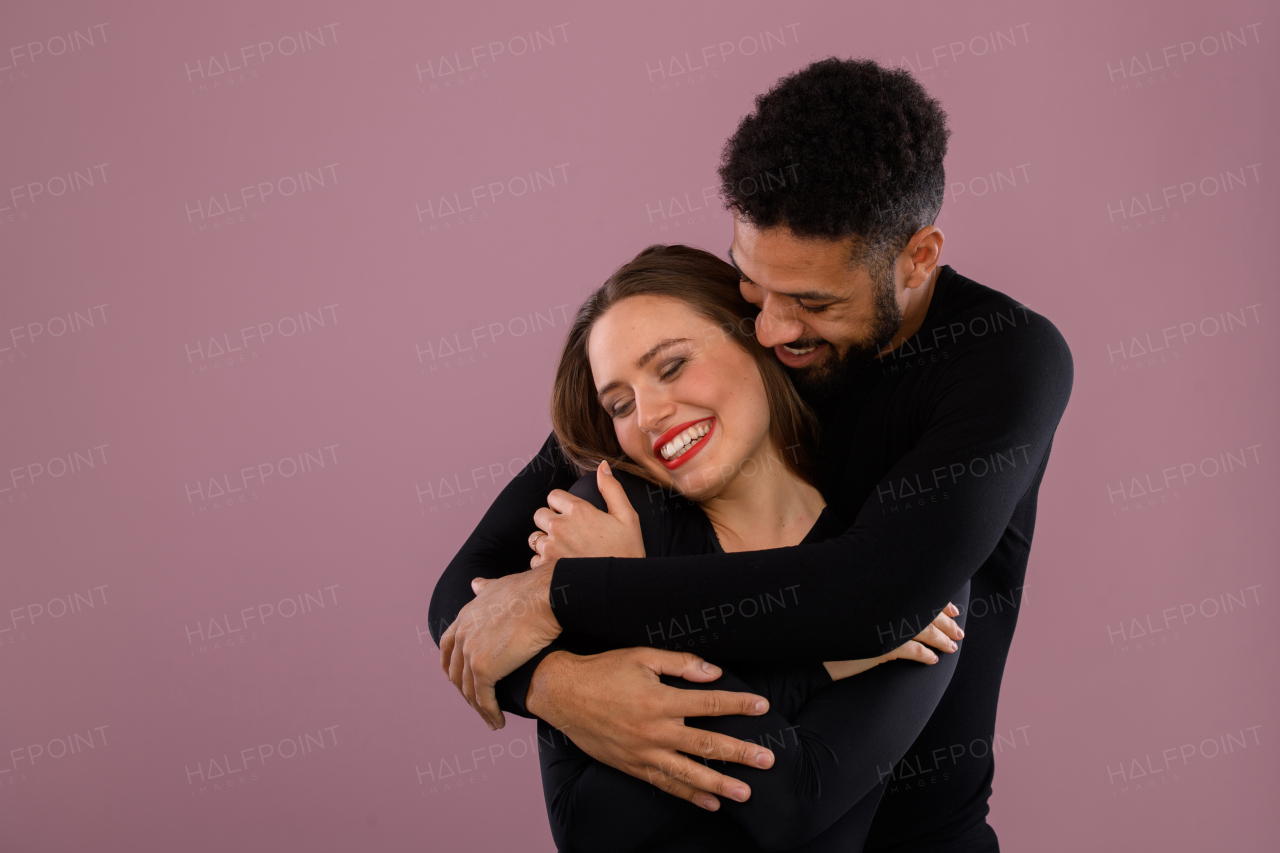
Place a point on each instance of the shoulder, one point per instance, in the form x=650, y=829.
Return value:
x=644, y=496
x=648, y=500
x=995, y=325
x=669, y=522
x=987, y=337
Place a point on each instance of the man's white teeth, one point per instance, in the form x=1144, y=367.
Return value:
x=795, y=351
x=682, y=442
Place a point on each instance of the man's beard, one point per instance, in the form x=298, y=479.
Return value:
x=818, y=383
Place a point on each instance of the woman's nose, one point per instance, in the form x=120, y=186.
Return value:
x=654, y=410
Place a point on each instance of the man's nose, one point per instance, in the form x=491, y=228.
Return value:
x=777, y=323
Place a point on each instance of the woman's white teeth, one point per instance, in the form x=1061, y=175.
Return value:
x=794, y=351
x=682, y=442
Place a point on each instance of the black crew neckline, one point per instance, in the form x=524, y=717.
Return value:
x=825, y=518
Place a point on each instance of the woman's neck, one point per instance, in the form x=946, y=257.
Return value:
x=772, y=508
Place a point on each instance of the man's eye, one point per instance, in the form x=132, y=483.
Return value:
x=812, y=309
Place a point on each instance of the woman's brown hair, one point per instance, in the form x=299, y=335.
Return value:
x=709, y=286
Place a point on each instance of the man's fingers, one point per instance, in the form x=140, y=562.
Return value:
x=676, y=788
x=934, y=637
x=702, y=778
x=680, y=664
x=469, y=693
x=717, y=703
x=457, y=660
x=446, y=646
x=615, y=497
x=487, y=702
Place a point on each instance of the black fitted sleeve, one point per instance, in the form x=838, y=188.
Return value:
x=833, y=745
x=986, y=430
x=499, y=546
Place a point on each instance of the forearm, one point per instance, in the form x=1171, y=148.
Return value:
x=925, y=529
x=499, y=547
x=594, y=807
x=835, y=750
x=591, y=806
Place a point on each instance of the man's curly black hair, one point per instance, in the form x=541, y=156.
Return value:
x=842, y=147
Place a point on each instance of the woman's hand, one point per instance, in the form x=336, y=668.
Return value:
x=572, y=527
x=942, y=634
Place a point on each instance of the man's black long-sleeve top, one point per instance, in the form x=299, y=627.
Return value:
x=933, y=454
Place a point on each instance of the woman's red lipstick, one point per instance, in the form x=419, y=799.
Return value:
x=673, y=464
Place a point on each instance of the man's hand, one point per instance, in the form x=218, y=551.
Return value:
x=507, y=623
x=613, y=706
x=572, y=527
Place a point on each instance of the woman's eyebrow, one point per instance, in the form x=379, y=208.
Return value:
x=657, y=348
x=642, y=361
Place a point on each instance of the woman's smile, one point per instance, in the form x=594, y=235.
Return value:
x=681, y=443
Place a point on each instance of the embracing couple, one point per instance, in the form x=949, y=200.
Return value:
x=777, y=488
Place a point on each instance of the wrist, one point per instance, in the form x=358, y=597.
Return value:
x=538, y=701
x=540, y=579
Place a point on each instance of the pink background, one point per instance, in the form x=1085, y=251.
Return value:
x=1081, y=112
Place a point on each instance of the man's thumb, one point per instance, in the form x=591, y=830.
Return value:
x=615, y=497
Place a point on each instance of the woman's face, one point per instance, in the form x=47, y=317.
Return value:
x=687, y=402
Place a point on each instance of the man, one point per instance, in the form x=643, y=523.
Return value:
x=938, y=399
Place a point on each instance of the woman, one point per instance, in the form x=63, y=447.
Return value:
x=661, y=379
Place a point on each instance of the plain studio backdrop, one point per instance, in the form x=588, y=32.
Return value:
x=283, y=288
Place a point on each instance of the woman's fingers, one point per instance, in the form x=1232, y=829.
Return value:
x=947, y=625
x=913, y=650
x=544, y=518
x=932, y=636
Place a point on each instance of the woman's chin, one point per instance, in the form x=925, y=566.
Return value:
x=698, y=480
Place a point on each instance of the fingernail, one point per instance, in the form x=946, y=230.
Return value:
x=738, y=795
x=960, y=633
x=764, y=759
x=607, y=469
x=707, y=803
x=761, y=706
x=935, y=658
x=954, y=647
x=710, y=668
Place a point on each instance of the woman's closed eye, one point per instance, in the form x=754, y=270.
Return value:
x=671, y=368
